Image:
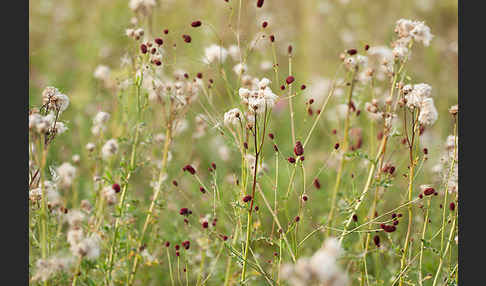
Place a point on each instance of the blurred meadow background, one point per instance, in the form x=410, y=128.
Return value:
x=70, y=39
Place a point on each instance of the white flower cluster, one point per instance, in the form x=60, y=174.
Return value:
x=215, y=53
x=233, y=117
x=99, y=122
x=81, y=246
x=45, y=268
x=416, y=30
x=320, y=269
x=135, y=33
x=50, y=189
x=143, y=7
x=109, y=149
x=66, y=173
x=449, y=156
x=260, y=98
x=419, y=96
x=102, y=72
x=45, y=124
x=53, y=99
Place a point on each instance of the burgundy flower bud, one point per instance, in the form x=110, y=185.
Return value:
x=395, y=222
x=282, y=87
x=290, y=79
x=336, y=146
x=178, y=253
x=167, y=244
x=246, y=198
x=452, y=206
x=186, y=244
x=272, y=38
x=291, y=160
x=426, y=151
x=298, y=149
x=390, y=228
x=213, y=165
x=190, y=169
x=184, y=211
x=186, y=38
x=352, y=52
x=157, y=62
x=245, y=145
x=256, y=208
x=260, y=3
x=367, y=47
x=271, y=135
x=355, y=218
x=166, y=31
x=302, y=87
x=264, y=24
x=429, y=191
x=202, y=190
x=199, y=75
x=177, y=247
x=301, y=158
x=196, y=24
x=305, y=198
x=297, y=218
x=376, y=240
x=289, y=49
x=159, y=41
x=317, y=184
x=174, y=182
x=225, y=237
x=116, y=187
x=205, y=224
x=275, y=148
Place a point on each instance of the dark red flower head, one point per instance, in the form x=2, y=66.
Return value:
x=264, y=24
x=205, y=224
x=352, y=52
x=291, y=160
x=196, y=24
x=159, y=41
x=116, y=187
x=429, y=191
x=260, y=3
x=143, y=48
x=185, y=211
x=317, y=184
x=298, y=149
x=190, y=169
x=290, y=79
x=376, y=240
x=246, y=198
x=186, y=38
x=186, y=244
